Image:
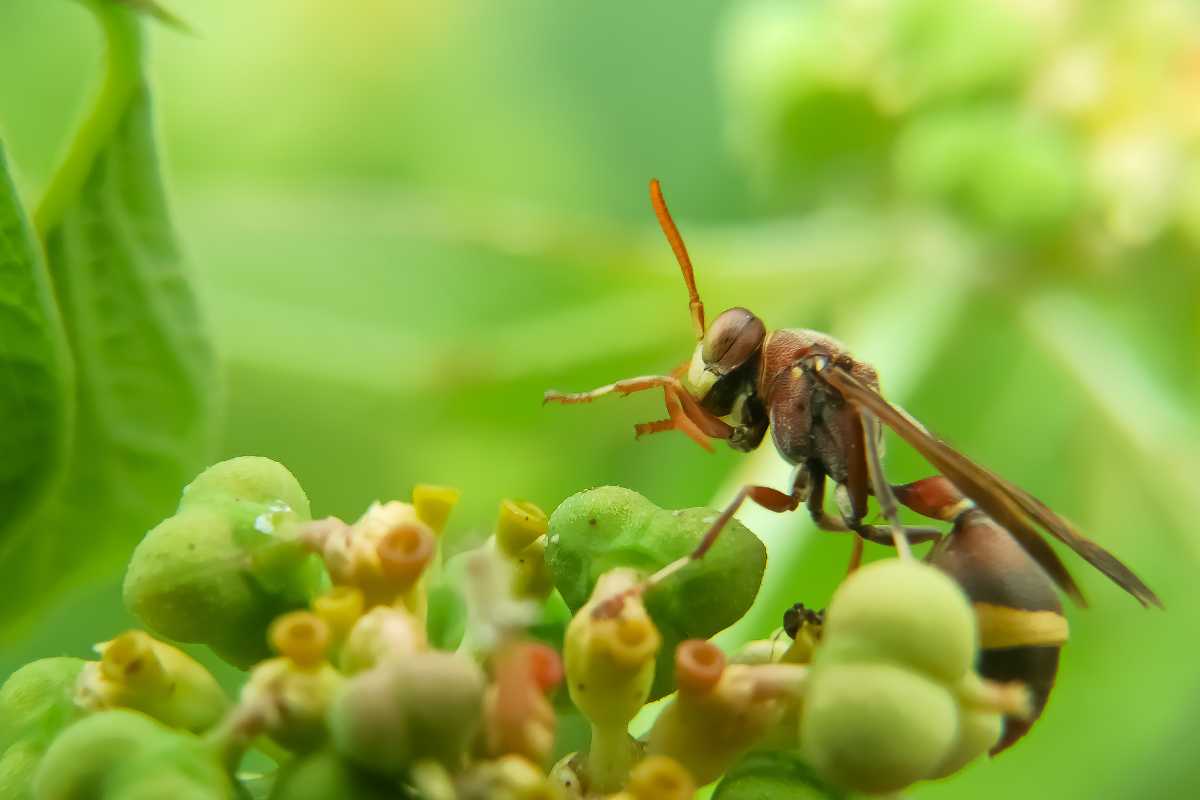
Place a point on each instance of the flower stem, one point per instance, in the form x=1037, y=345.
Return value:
x=122, y=75
x=610, y=757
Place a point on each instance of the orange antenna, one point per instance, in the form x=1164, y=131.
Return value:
x=681, y=255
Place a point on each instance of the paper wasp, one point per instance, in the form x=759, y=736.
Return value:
x=823, y=408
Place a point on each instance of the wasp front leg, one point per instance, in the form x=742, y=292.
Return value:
x=684, y=413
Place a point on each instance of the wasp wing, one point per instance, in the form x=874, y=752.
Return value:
x=1008, y=504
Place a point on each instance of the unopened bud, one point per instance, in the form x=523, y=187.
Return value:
x=660, y=778
x=292, y=700
x=745, y=703
x=139, y=672
x=610, y=659
x=434, y=504
x=339, y=608
x=531, y=577
x=302, y=637
x=519, y=524
x=382, y=633
x=698, y=665
x=427, y=705
x=519, y=718
x=404, y=552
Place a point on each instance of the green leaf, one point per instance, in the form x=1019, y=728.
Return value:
x=34, y=367
x=158, y=12
x=145, y=374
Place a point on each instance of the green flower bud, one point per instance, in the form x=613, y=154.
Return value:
x=905, y=612
x=609, y=655
x=958, y=50
x=325, y=775
x=1011, y=174
x=154, y=779
x=136, y=671
x=892, y=698
x=381, y=634
x=38, y=700
x=424, y=705
x=803, y=111
x=978, y=730
x=876, y=727
x=228, y=562
x=610, y=658
x=772, y=774
x=118, y=755
x=246, y=488
x=299, y=699
x=18, y=765
x=602, y=529
x=508, y=778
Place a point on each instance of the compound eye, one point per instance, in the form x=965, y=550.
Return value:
x=732, y=340
x=793, y=618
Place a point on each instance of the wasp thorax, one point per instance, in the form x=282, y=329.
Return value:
x=732, y=340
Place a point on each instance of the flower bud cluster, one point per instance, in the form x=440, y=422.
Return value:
x=353, y=698
x=1024, y=125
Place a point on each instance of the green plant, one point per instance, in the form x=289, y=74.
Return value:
x=74, y=503
x=105, y=357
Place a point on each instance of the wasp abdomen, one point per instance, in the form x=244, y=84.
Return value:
x=1021, y=624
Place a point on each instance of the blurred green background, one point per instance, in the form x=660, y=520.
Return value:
x=406, y=220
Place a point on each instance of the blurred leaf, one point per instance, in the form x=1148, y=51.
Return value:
x=159, y=12
x=145, y=373
x=1158, y=431
x=34, y=366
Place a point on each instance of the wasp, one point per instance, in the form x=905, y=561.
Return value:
x=825, y=413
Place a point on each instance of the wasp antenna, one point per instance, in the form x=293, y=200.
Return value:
x=681, y=255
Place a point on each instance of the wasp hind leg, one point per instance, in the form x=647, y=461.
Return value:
x=850, y=520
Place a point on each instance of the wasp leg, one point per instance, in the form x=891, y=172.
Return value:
x=765, y=496
x=934, y=497
x=816, y=501
x=827, y=522
x=623, y=387
x=883, y=490
x=856, y=555
x=696, y=424
x=685, y=413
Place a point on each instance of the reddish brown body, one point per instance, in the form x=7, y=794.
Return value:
x=812, y=425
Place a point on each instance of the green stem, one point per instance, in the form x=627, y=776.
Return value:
x=122, y=75
x=230, y=738
x=610, y=758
